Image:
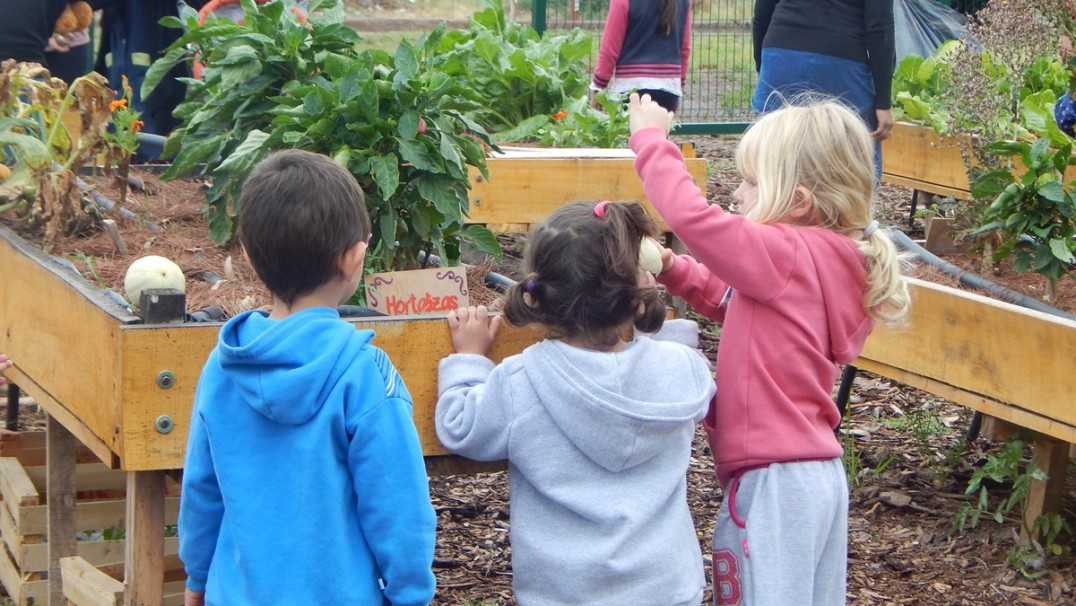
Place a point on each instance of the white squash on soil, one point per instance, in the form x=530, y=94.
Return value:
x=152, y=272
x=650, y=256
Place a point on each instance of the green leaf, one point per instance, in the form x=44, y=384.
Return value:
x=386, y=173
x=415, y=153
x=1061, y=250
x=483, y=240
x=250, y=152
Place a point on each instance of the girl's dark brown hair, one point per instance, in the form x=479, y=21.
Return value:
x=667, y=10
x=582, y=274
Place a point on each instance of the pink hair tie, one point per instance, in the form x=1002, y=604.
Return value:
x=599, y=208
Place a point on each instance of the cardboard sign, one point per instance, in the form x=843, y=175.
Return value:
x=417, y=292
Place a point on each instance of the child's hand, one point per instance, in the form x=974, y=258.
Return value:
x=5, y=363
x=193, y=598
x=644, y=113
x=472, y=329
x=668, y=257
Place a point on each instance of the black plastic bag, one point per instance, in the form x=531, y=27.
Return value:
x=920, y=26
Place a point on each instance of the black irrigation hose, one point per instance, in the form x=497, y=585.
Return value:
x=974, y=280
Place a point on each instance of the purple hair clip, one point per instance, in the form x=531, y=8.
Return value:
x=529, y=286
x=599, y=208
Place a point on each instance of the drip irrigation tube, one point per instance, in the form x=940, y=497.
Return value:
x=974, y=280
x=499, y=282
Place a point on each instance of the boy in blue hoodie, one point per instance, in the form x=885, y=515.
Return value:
x=304, y=481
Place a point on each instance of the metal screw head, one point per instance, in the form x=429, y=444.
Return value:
x=165, y=379
x=163, y=424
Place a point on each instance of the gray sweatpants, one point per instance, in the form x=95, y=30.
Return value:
x=782, y=536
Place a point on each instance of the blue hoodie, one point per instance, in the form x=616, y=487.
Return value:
x=304, y=481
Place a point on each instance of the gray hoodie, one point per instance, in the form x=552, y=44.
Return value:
x=598, y=445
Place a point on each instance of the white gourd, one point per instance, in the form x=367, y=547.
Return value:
x=152, y=272
x=650, y=256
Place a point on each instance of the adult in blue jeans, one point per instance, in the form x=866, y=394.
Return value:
x=841, y=48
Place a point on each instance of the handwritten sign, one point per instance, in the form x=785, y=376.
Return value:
x=417, y=292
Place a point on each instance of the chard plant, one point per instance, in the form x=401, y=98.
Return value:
x=405, y=132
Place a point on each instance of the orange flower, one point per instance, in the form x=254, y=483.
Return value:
x=136, y=126
x=560, y=114
x=117, y=104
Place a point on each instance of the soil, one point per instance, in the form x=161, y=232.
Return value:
x=911, y=464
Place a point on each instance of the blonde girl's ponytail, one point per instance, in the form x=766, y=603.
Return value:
x=887, y=299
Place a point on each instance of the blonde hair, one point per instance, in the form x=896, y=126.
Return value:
x=819, y=144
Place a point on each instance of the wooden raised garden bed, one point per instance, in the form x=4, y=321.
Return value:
x=123, y=389
x=917, y=157
x=1005, y=361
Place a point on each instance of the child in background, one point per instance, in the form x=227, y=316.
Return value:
x=304, y=481
x=646, y=45
x=597, y=430
x=798, y=281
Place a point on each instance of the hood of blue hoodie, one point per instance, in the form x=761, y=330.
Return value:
x=619, y=408
x=282, y=368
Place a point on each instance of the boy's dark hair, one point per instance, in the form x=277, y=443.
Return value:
x=298, y=213
x=582, y=274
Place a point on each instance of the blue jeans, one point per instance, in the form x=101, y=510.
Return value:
x=788, y=73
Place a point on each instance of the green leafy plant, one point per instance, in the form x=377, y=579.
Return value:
x=516, y=73
x=1001, y=468
x=578, y=125
x=404, y=131
x=1034, y=213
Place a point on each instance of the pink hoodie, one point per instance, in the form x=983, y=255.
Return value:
x=796, y=312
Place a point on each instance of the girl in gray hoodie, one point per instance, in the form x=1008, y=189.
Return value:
x=596, y=424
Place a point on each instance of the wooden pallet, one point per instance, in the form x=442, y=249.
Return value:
x=100, y=504
x=87, y=585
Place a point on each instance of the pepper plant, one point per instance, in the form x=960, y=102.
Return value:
x=1035, y=212
x=273, y=82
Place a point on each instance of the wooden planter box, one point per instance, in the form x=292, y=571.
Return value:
x=1005, y=361
x=99, y=505
x=917, y=157
x=526, y=184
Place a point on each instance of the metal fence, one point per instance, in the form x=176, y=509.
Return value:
x=722, y=74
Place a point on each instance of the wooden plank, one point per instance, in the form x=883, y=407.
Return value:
x=916, y=156
x=69, y=419
x=84, y=585
x=60, y=459
x=526, y=190
x=93, y=515
x=29, y=448
x=1001, y=352
x=415, y=346
x=15, y=486
x=98, y=553
x=21, y=591
x=144, y=557
x=63, y=333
